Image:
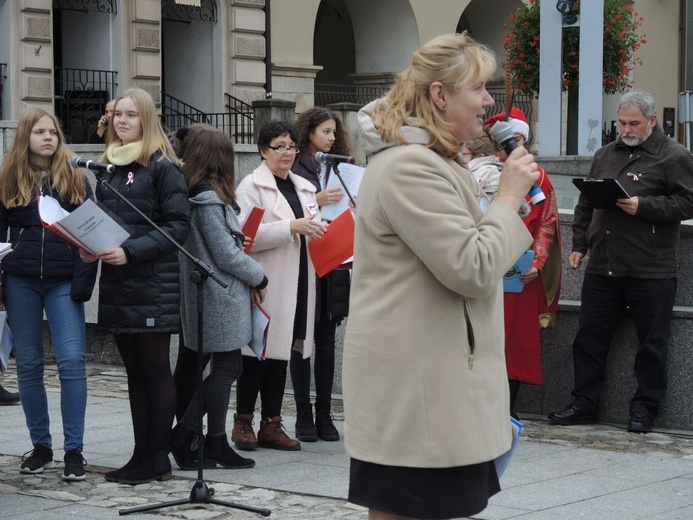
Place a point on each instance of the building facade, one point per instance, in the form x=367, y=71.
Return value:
x=209, y=59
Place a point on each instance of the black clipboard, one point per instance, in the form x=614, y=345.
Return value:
x=601, y=193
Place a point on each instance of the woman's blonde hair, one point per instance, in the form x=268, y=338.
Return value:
x=154, y=138
x=20, y=180
x=455, y=60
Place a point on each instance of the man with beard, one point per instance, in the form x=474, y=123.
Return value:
x=632, y=261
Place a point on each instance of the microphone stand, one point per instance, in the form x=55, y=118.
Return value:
x=334, y=163
x=200, y=493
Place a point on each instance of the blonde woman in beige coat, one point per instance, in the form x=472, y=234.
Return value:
x=425, y=386
x=291, y=219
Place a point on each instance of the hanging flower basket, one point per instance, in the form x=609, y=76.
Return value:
x=621, y=40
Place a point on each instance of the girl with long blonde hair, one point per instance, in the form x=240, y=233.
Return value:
x=139, y=290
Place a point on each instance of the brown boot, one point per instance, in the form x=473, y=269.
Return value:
x=242, y=434
x=272, y=435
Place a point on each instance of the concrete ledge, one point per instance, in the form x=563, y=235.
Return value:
x=677, y=407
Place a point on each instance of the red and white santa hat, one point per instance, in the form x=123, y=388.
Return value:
x=517, y=121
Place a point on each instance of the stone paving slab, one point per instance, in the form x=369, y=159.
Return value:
x=587, y=472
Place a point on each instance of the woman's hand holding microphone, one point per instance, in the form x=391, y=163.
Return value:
x=519, y=173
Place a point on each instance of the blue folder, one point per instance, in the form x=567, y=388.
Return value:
x=511, y=280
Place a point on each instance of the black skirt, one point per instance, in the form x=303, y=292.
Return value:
x=426, y=493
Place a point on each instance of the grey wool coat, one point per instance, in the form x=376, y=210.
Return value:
x=215, y=238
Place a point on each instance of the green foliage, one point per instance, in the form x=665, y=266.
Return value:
x=621, y=40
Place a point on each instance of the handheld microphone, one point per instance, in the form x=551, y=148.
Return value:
x=328, y=157
x=503, y=134
x=81, y=162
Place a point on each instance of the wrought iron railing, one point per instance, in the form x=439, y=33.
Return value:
x=80, y=100
x=241, y=119
x=3, y=66
x=174, y=12
x=236, y=122
x=99, y=6
x=326, y=94
x=176, y=113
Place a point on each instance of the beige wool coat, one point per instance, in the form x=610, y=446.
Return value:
x=424, y=375
x=278, y=250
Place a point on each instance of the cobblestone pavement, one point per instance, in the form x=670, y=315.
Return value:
x=109, y=381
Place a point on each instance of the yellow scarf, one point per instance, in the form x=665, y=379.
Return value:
x=121, y=154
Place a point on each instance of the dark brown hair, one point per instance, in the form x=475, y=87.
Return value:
x=309, y=120
x=208, y=158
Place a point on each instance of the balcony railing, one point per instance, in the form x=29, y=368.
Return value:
x=236, y=122
x=80, y=100
x=361, y=94
x=3, y=67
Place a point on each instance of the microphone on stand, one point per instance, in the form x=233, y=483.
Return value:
x=81, y=162
x=503, y=134
x=328, y=157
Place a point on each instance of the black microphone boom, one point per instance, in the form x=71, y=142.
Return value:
x=328, y=157
x=81, y=162
x=503, y=134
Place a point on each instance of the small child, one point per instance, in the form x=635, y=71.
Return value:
x=485, y=165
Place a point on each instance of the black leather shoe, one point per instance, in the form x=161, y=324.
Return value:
x=572, y=415
x=8, y=397
x=640, y=423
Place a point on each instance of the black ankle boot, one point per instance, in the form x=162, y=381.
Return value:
x=7, y=397
x=305, y=427
x=183, y=447
x=137, y=456
x=218, y=452
x=323, y=422
x=154, y=466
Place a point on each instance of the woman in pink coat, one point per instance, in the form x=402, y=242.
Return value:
x=291, y=219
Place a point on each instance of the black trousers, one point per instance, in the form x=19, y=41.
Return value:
x=323, y=365
x=604, y=299
x=267, y=378
x=216, y=387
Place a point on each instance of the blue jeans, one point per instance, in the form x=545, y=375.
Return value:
x=26, y=300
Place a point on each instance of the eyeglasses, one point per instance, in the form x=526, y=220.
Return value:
x=284, y=149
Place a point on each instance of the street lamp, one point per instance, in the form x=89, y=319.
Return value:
x=565, y=7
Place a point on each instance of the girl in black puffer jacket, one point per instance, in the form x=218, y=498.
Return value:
x=139, y=292
x=45, y=273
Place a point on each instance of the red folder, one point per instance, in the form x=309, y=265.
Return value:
x=251, y=225
x=335, y=246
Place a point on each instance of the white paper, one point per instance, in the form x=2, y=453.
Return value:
x=5, y=249
x=88, y=226
x=260, y=323
x=5, y=342
x=352, y=176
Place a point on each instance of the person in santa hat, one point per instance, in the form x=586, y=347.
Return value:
x=533, y=309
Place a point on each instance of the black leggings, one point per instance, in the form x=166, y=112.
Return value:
x=216, y=387
x=323, y=365
x=268, y=378
x=151, y=391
